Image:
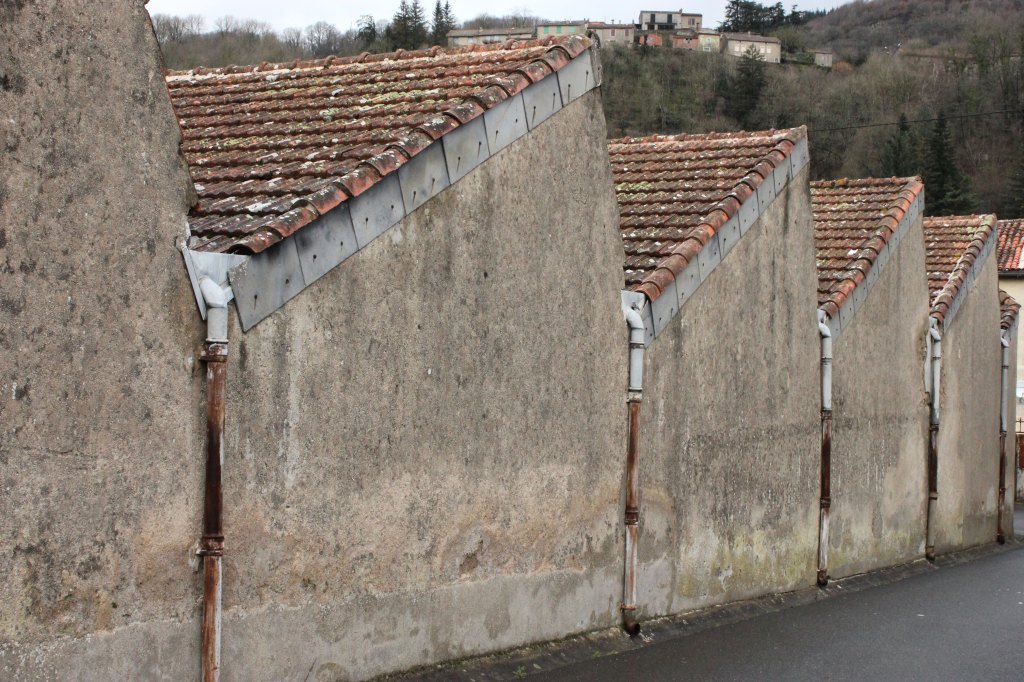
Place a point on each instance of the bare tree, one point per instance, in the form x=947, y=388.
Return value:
x=323, y=39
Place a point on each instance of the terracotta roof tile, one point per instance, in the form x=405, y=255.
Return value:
x=271, y=147
x=853, y=221
x=952, y=245
x=1008, y=308
x=1010, y=245
x=674, y=192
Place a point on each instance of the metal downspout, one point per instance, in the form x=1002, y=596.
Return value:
x=933, y=438
x=211, y=548
x=1000, y=534
x=634, y=397
x=826, y=449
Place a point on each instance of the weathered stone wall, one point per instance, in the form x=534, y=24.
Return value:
x=729, y=427
x=969, y=419
x=100, y=392
x=423, y=455
x=880, y=420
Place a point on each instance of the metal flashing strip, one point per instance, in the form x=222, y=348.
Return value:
x=862, y=292
x=972, y=275
x=266, y=281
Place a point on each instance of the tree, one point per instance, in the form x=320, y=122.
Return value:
x=947, y=189
x=323, y=39
x=747, y=86
x=443, y=22
x=899, y=157
x=366, y=31
x=408, y=29
x=1015, y=205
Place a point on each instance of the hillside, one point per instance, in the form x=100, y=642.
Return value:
x=858, y=28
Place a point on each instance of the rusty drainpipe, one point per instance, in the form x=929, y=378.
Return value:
x=634, y=397
x=211, y=548
x=826, y=448
x=1005, y=343
x=933, y=438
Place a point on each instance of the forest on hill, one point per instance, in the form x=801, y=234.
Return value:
x=928, y=87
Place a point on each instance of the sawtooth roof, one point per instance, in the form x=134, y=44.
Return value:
x=676, y=191
x=952, y=246
x=273, y=147
x=853, y=221
x=1010, y=246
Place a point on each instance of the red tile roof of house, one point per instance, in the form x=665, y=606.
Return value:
x=1008, y=308
x=853, y=221
x=1010, y=245
x=675, y=192
x=952, y=245
x=273, y=147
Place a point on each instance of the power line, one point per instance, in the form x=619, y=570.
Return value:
x=919, y=120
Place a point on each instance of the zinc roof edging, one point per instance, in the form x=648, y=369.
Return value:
x=948, y=301
x=840, y=313
x=678, y=276
x=265, y=280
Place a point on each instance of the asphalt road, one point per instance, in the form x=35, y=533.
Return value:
x=963, y=622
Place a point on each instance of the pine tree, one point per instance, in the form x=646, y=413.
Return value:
x=899, y=158
x=947, y=188
x=442, y=23
x=408, y=28
x=745, y=92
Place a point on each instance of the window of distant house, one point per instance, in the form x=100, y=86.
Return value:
x=547, y=29
x=652, y=18
x=613, y=31
x=558, y=29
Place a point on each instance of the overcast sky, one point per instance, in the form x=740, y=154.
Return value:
x=344, y=13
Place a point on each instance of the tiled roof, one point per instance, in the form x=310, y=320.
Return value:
x=675, y=192
x=853, y=221
x=1008, y=308
x=273, y=147
x=1010, y=245
x=952, y=245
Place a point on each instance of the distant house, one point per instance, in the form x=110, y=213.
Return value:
x=668, y=21
x=611, y=34
x=461, y=37
x=561, y=28
x=684, y=40
x=719, y=248
x=736, y=44
x=873, y=306
x=823, y=58
x=965, y=318
x=708, y=40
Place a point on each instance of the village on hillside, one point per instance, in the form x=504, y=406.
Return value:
x=678, y=29
x=405, y=365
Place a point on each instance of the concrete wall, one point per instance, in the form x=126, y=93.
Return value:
x=729, y=439
x=969, y=419
x=424, y=451
x=880, y=421
x=100, y=391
